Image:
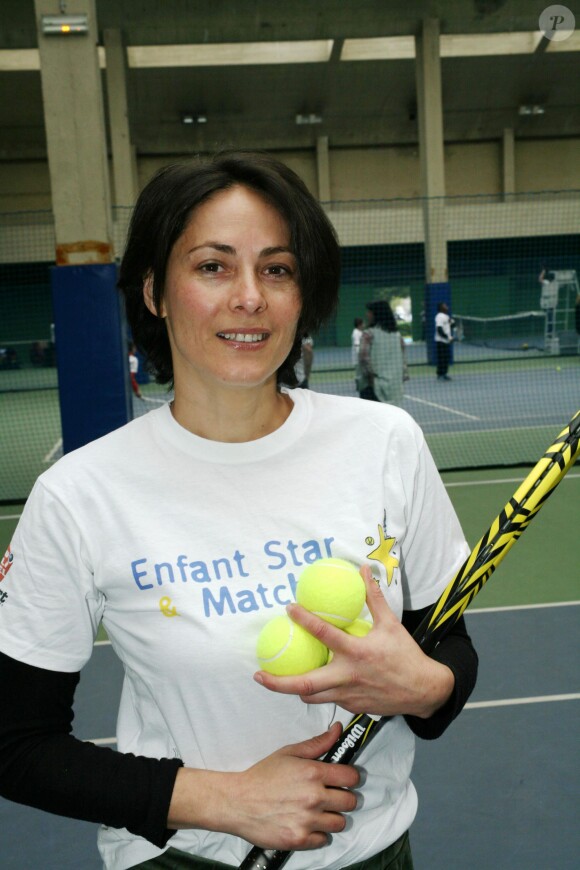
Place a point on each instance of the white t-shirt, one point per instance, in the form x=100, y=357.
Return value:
x=443, y=321
x=355, y=343
x=185, y=547
x=549, y=297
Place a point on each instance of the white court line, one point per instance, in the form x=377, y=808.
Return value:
x=513, y=702
x=500, y=480
x=473, y=705
x=505, y=430
x=523, y=607
x=11, y=517
x=473, y=611
x=441, y=407
x=50, y=455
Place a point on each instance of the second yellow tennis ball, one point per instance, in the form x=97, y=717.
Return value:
x=358, y=628
x=285, y=648
x=333, y=590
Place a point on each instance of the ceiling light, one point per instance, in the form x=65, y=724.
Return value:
x=571, y=43
x=379, y=48
x=531, y=110
x=309, y=119
x=230, y=54
x=451, y=45
x=489, y=44
x=193, y=118
x=64, y=25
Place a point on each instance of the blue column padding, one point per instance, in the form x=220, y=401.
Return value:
x=91, y=352
x=434, y=294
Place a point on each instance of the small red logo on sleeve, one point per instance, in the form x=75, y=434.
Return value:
x=6, y=563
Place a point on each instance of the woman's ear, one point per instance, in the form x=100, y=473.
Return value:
x=149, y=298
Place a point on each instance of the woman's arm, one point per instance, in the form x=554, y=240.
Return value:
x=457, y=652
x=288, y=800
x=42, y=765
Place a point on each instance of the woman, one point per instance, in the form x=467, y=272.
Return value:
x=381, y=362
x=185, y=531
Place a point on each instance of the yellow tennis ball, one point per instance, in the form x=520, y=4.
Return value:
x=333, y=590
x=285, y=648
x=358, y=628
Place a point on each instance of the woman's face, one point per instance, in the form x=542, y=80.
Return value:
x=231, y=299
x=370, y=317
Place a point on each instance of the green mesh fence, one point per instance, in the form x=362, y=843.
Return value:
x=516, y=363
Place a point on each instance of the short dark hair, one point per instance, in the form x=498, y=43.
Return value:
x=162, y=213
x=383, y=314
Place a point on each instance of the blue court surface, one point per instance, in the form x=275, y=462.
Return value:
x=499, y=790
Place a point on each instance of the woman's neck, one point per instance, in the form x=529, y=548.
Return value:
x=232, y=415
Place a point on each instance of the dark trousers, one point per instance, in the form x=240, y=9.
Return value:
x=394, y=857
x=443, y=354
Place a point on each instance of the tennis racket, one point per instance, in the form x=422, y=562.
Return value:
x=504, y=531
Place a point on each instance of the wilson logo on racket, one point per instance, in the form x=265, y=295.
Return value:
x=6, y=563
x=349, y=742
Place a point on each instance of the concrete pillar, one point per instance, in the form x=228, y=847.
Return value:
x=76, y=143
x=508, y=162
x=430, y=116
x=90, y=331
x=323, y=169
x=124, y=171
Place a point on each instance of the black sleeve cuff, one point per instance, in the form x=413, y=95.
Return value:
x=457, y=652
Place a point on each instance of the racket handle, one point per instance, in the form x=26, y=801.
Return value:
x=264, y=859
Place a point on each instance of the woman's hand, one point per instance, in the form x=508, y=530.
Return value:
x=287, y=801
x=385, y=672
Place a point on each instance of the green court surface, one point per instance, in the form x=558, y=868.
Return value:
x=543, y=567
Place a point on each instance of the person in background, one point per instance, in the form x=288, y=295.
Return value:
x=133, y=369
x=180, y=533
x=549, y=299
x=380, y=367
x=355, y=339
x=443, y=338
x=304, y=364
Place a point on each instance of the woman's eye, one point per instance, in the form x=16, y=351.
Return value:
x=210, y=267
x=278, y=270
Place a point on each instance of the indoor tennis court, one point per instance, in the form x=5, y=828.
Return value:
x=443, y=141
x=499, y=789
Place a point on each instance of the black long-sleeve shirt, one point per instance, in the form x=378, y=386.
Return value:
x=43, y=765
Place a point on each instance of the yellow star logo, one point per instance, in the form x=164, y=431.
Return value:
x=383, y=555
